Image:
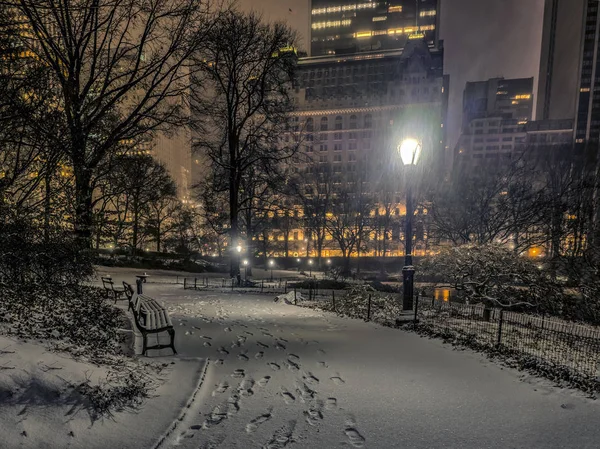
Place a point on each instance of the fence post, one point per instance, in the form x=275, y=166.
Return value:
x=501, y=319
x=333, y=299
x=369, y=309
x=416, y=306
x=184, y=283
x=262, y=284
x=285, y=288
x=195, y=280
x=295, y=299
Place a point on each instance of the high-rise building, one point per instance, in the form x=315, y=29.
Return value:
x=499, y=97
x=353, y=26
x=560, y=61
x=570, y=67
x=354, y=110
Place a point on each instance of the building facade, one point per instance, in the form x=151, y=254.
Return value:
x=342, y=27
x=506, y=98
x=494, y=142
x=353, y=111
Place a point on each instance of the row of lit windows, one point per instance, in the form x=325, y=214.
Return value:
x=331, y=24
x=428, y=13
x=343, y=8
x=407, y=30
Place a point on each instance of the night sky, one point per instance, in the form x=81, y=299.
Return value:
x=482, y=38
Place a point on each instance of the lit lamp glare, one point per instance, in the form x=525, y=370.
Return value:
x=410, y=151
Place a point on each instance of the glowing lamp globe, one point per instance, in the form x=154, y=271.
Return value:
x=410, y=151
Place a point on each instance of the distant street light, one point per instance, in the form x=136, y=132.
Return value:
x=245, y=270
x=410, y=151
x=271, y=263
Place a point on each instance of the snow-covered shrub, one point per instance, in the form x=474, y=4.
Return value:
x=493, y=275
x=384, y=308
x=77, y=316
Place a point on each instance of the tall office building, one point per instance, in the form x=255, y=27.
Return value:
x=504, y=98
x=354, y=26
x=570, y=66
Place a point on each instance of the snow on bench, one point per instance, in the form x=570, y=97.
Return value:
x=150, y=318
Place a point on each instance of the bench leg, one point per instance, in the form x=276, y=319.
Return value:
x=144, y=343
x=172, y=334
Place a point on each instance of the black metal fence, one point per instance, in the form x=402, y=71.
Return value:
x=309, y=290
x=559, y=344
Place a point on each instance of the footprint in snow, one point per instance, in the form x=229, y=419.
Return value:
x=314, y=414
x=245, y=387
x=256, y=422
x=280, y=346
x=205, y=337
x=264, y=381
x=221, y=388
x=238, y=373
x=292, y=366
x=310, y=378
x=294, y=357
x=320, y=351
x=259, y=355
x=262, y=345
x=337, y=380
x=323, y=364
x=354, y=436
x=243, y=357
x=274, y=366
x=207, y=344
x=331, y=404
x=227, y=329
x=248, y=333
x=288, y=397
x=267, y=334
x=222, y=350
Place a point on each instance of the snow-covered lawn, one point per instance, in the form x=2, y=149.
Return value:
x=285, y=376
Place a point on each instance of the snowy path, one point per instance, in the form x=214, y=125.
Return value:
x=284, y=376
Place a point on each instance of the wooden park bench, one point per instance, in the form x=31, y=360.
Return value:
x=110, y=289
x=150, y=318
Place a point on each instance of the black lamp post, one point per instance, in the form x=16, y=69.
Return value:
x=245, y=270
x=271, y=263
x=310, y=268
x=410, y=150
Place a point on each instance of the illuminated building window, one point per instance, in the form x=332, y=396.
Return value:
x=427, y=27
x=584, y=89
x=523, y=97
x=331, y=24
x=352, y=122
x=362, y=34
x=379, y=32
x=338, y=122
x=396, y=31
x=379, y=18
x=428, y=13
x=395, y=9
x=324, y=124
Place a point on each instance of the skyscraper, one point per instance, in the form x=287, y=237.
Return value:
x=354, y=26
x=570, y=67
x=505, y=98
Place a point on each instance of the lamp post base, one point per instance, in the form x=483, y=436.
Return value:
x=408, y=273
x=406, y=317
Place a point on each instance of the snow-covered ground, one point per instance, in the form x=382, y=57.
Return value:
x=285, y=376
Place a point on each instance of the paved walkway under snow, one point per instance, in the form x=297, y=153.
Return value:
x=284, y=376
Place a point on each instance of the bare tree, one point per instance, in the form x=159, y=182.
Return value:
x=314, y=188
x=120, y=70
x=242, y=99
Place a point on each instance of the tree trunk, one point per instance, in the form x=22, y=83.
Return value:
x=135, y=228
x=158, y=236
x=234, y=269
x=47, y=205
x=83, y=208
